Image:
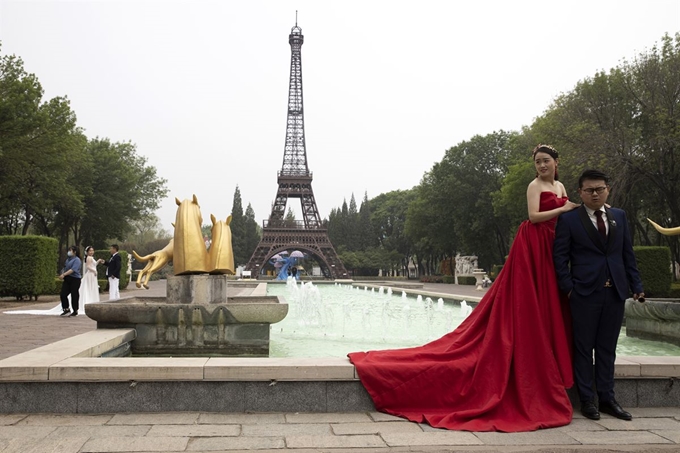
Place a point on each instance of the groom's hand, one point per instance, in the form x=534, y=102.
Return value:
x=639, y=297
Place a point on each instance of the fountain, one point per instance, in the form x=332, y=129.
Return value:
x=198, y=317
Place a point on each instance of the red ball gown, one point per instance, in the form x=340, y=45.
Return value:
x=505, y=368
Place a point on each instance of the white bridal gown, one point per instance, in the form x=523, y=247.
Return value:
x=89, y=292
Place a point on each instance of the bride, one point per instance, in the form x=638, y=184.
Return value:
x=89, y=288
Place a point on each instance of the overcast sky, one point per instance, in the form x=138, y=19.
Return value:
x=201, y=87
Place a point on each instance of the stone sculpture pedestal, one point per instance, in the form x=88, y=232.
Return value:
x=198, y=318
x=479, y=276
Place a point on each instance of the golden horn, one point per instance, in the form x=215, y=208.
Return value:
x=665, y=231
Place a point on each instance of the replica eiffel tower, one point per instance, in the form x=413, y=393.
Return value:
x=295, y=181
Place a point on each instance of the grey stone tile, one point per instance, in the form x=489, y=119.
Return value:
x=28, y=432
x=580, y=425
x=65, y=420
x=431, y=438
x=348, y=396
x=638, y=424
x=652, y=412
x=285, y=397
x=626, y=392
x=286, y=429
x=361, y=441
x=65, y=445
x=135, y=444
x=671, y=434
x=155, y=419
x=241, y=419
x=195, y=430
x=381, y=417
x=618, y=438
x=112, y=397
x=100, y=431
x=235, y=443
x=657, y=393
x=203, y=396
x=375, y=428
x=334, y=417
x=540, y=437
x=38, y=397
x=11, y=419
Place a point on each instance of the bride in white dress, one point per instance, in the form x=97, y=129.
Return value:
x=89, y=288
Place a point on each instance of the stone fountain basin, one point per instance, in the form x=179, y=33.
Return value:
x=145, y=310
x=239, y=327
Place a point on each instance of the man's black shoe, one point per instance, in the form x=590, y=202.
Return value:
x=65, y=312
x=589, y=410
x=75, y=313
x=613, y=408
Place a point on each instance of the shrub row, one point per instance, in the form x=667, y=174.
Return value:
x=654, y=264
x=27, y=265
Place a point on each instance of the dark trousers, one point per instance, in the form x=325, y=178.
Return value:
x=596, y=321
x=71, y=285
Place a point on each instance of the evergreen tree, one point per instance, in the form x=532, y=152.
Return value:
x=252, y=232
x=238, y=230
x=366, y=237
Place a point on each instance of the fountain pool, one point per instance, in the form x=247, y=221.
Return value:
x=331, y=320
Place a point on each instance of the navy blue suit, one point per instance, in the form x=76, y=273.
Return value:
x=600, y=275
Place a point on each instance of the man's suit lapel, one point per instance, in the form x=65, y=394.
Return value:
x=613, y=230
x=590, y=228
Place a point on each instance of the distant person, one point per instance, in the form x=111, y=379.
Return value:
x=596, y=268
x=113, y=272
x=486, y=282
x=71, y=277
x=293, y=272
x=89, y=288
x=508, y=365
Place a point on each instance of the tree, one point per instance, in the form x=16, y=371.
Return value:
x=252, y=232
x=124, y=189
x=41, y=153
x=388, y=217
x=290, y=221
x=238, y=230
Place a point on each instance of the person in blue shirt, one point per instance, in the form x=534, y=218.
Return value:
x=71, y=276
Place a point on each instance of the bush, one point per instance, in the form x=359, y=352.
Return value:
x=28, y=265
x=467, y=280
x=101, y=269
x=495, y=270
x=103, y=285
x=449, y=279
x=654, y=264
x=675, y=290
x=56, y=289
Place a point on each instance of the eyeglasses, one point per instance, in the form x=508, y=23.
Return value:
x=592, y=190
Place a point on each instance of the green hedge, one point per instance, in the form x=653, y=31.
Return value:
x=654, y=264
x=101, y=269
x=467, y=280
x=28, y=265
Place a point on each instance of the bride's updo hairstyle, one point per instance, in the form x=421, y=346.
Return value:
x=549, y=150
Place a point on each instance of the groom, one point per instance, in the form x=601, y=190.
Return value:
x=596, y=268
x=113, y=272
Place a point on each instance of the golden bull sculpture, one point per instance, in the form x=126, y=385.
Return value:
x=665, y=231
x=187, y=249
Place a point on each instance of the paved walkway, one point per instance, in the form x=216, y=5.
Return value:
x=652, y=429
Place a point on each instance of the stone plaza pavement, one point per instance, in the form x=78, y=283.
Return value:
x=652, y=429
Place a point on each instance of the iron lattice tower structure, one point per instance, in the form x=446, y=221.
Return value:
x=295, y=181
